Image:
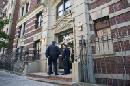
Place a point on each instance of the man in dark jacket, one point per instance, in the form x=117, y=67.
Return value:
x=66, y=59
x=52, y=53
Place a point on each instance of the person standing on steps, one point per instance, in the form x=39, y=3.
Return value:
x=66, y=59
x=52, y=53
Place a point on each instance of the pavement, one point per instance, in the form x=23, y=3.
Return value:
x=38, y=79
x=7, y=79
x=61, y=80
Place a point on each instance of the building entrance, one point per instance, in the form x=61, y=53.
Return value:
x=66, y=37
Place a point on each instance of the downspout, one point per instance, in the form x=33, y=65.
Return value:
x=90, y=62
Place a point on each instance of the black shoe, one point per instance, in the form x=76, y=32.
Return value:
x=63, y=74
x=49, y=74
x=56, y=74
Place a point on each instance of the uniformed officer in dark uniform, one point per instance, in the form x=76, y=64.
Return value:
x=66, y=59
x=52, y=53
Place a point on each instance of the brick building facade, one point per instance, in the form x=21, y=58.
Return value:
x=105, y=23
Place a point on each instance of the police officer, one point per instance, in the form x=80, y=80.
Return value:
x=66, y=59
x=52, y=53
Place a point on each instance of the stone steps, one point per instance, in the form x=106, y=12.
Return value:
x=63, y=80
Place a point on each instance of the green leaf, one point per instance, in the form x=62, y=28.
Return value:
x=3, y=35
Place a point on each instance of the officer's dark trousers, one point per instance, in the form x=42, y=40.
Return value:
x=66, y=67
x=50, y=61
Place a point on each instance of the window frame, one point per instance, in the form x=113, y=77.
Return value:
x=22, y=11
x=27, y=7
x=37, y=47
x=39, y=20
x=65, y=9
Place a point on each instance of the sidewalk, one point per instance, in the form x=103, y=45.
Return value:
x=62, y=80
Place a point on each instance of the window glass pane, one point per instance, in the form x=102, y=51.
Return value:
x=60, y=13
x=27, y=7
x=67, y=4
x=60, y=8
x=22, y=11
x=24, y=28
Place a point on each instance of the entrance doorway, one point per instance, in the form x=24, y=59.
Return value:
x=66, y=37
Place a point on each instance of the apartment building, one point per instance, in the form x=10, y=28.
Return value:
x=10, y=12
x=31, y=27
x=2, y=4
x=98, y=25
x=42, y=21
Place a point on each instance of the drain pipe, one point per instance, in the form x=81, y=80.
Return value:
x=90, y=62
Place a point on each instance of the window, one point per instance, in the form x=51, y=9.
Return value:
x=19, y=31
x=11, y=3
x=7, y=30
x=38, y=1
x=67, y=5
x=10, y=16
x=63, y=8
x=22, y=11
x=24, y=27
x=27, y=7
x=37, y=50
x=39, y=20
x=21, y=52
x=60, y=10
x=102, y=27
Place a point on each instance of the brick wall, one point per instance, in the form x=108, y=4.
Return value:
x=13, y=27
x=33, y=4
x=98, y=3
x=112, y=65
x=115, y=64
x=122, y=4
x=120, y=18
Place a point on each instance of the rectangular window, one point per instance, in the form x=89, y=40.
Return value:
x=27, y=7
x=19, y=31
x=38, y=1
x=22, y=11
x=24, y=27
x=21, y=53
x=67, y=5
x=39, y=20
x=37, y=50
x=63, y=8
x=60, y=10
